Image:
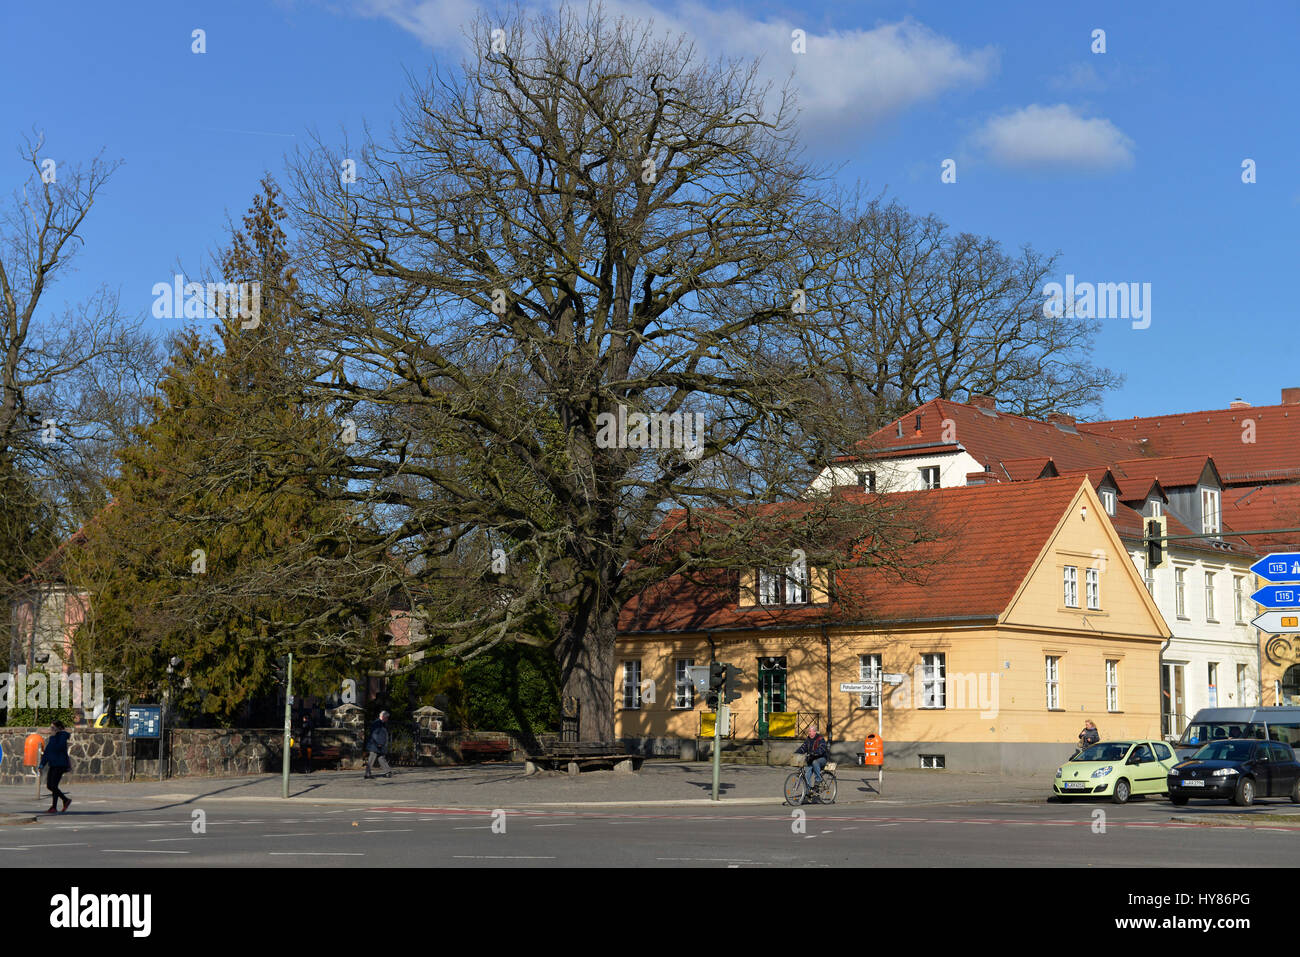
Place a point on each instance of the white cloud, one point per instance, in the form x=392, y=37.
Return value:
x=847, y=78
x=1054, y=136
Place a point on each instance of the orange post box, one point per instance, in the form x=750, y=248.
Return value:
x=32, y=750
x=874, y=750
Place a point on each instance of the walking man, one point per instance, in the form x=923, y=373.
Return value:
x=377, y=746
x=56, y=756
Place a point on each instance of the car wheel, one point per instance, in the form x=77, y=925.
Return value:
x=1245, y=795
x=1177, y=800
x=1122, y=792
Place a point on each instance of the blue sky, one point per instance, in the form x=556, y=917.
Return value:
x=1129, y=162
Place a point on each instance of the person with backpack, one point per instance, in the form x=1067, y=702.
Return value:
x=816, y=754
x=377, y=746
x=56, y=756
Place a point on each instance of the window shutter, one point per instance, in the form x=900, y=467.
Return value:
x=819, y=594
x=747, y=599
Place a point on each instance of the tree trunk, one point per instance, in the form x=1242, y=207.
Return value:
x=587, y=673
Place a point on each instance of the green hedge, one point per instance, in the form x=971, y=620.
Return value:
x=28, y=717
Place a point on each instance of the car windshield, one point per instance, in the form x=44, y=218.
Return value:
x=1205, y=732
x=1106, y=751
x=1224, y=751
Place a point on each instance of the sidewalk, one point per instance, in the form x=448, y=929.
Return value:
x=505, y=785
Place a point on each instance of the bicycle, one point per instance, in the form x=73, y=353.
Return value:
x=823, y=792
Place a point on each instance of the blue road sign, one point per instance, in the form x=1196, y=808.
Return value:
x=1277, y=596
x=1278, y=567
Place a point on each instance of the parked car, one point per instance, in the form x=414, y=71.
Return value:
x=1240, y=770
x=1118, y=769
x=1220, y=724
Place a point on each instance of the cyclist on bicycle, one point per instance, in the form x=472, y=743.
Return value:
x=817, y=753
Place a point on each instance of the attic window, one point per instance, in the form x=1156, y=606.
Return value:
x=1108, y=501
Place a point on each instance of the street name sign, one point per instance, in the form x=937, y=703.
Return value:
x=893, y=679
x=1278, y=567
x=698, y=675
x=1277, y=596
x=1278, y=622
x=859, y=686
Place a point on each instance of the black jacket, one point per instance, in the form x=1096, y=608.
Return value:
x=816, y=748
x=1088, y=737
x=377, y=740
x=56, y=751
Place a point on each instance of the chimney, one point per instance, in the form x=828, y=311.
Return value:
x=1291, y=396
x=1060, y=419
x=1240, y=403
x=984, y=402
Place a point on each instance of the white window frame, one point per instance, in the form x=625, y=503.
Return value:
x=684, y=689
x=1157, y=508
x=930, y=477
x=1149, y=576
x=867, y=481
x=769, y=586
x=1212, y=681
x=1180, y=592
x=1112, y=684
x=1071, y=581
x=632, y=684
x=1210, y=516
x=1092, y=588
x=1209, y=596
x=1053, y=683
x=934, y=682
x=1238, y=599
x=1108, y=501
x=868, y=670
x=1242, y=671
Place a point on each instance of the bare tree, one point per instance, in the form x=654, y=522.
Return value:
x=569, y=256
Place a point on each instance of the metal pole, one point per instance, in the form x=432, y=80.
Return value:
x=288, y=705
x=880, y=726
x=717, y=747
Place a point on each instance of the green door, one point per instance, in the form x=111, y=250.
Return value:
x=771, y=690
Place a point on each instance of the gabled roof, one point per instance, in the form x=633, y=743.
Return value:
x=1251, y=444
x=993, y=535
x=994, y=437
x=1171, y=471
x=1266, y=506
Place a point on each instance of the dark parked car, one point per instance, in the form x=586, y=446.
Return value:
x=1238, y=769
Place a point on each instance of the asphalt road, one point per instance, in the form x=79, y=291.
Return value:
x=1028, y=834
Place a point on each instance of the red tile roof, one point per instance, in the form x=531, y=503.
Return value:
x=1267, y=506
x=1249, y=445
x=992, y=535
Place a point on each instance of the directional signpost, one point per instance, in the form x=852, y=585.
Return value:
x=1278, y=567
x=1278, y=622
x=866, y=687
x=1277, y=596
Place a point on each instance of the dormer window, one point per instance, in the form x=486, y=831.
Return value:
x=1157, y=508
x=1108, y=501
x=867, y=481
x=930, y=477
x=1210, y=511
x=784, y=586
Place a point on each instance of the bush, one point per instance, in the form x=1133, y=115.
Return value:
x=28, y=717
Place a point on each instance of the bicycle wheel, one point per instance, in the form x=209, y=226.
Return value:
x=828, y=788
x=794, y=788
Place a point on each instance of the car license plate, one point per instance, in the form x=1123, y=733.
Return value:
x=1189, y=783
x=1075, y=785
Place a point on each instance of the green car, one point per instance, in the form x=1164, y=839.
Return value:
x=1116, y=769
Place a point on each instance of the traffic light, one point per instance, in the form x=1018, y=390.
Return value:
x=716, y=674
x=1155, y=542
x=730, y=677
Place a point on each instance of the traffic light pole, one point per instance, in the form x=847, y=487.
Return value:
x=288, y=706
x=717, y=746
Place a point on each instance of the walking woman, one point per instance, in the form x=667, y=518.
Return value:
x=56, y=756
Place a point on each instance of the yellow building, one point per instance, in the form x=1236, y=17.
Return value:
x=1035, y=621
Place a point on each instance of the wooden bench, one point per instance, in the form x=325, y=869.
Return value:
x=491, y=750
x=576, y=757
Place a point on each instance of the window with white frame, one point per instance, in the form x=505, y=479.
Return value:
x=1180, y=592
x=1209, y=596
x=1157, y=508
x=684, y=694
x=1108, y=501
x=930, y=477
x=868, y=670
x=1053, y=683
x=1210, y=510
x=933, y=683
x=1212, y=682
x=1241, y=685
x=1071, y=586
x=1112, y=684
x=1149, y=576
x=867, y=481
x=632, y=684
x=1238, y=599
x=769, y=586
x=1092, y=587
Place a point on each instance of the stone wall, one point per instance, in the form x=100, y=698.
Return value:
x=105, y=754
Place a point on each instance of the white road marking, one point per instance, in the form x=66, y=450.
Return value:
x=317, y=854
x=128, y=850
x=555, y=825
x=299, y=834
x=502, y=857
x=390, y=830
